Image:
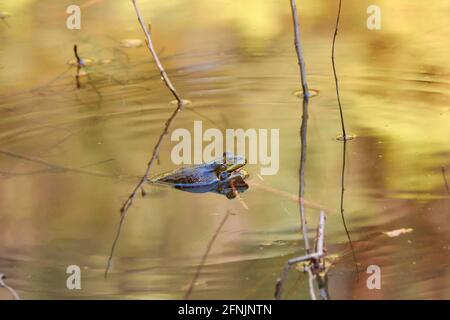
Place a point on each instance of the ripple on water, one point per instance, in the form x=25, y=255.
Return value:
x=312, y=93
x=184, y=101
x=348, y=137
x=84, y=61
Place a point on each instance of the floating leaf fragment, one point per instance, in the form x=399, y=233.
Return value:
x=398, y=232
x=131, y=43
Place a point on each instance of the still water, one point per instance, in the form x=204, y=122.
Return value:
x=69, y=157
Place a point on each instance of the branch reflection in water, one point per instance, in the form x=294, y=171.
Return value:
x=313, y=263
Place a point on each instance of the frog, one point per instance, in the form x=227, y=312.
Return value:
x=224, y=175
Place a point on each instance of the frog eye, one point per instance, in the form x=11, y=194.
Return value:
x=224, y=175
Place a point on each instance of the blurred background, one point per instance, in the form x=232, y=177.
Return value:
x=69, y=157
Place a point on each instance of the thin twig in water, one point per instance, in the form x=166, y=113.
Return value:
x=303, y=152
x=298, y=49
x=238, y=196
x=321, y=234
x=180, y=104
x=291, y=197
x=344, y=156
x=344, y=134
x=281, y=280
x=205, y=256
x=445, y=180
x=4, y=285
x=149, y=41
x=311, y=282
x=320, y=240
x=53, y=167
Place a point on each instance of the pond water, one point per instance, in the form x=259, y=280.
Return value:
x=70, y=157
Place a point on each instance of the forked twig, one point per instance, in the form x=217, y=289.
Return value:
x=314, y=266
x=180, y=104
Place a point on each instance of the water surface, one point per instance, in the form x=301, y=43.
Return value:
x=69, y=157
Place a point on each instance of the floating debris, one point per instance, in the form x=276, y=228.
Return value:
x=398, y=232
x=84, y=62
x=131, y=43
x=278, y=243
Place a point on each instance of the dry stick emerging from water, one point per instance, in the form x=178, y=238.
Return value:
x=314, y=258
x=205, y=256
x=445, y=180
x=298, y=49
x=344, y=134
x=127, y=204
x=4, y=285
x=79, y=64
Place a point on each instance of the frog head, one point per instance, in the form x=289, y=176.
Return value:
x=229, y=164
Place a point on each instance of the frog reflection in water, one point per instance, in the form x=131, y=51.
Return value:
x=220, y=176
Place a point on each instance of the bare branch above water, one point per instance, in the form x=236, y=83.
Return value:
x=298, y=48
x=149, y=42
